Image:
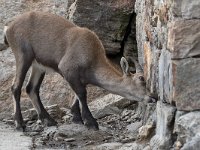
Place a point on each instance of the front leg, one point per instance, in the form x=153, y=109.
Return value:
x=75, y=110
x=71, y=72
x=81, y=93
x=87, y=117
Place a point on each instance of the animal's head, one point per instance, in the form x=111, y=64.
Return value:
x=135, y=86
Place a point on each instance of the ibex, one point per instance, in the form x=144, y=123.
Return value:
x=42, y=40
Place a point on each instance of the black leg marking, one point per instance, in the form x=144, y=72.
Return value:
x=21, y=70
x=75, y=110
x=80, y=90
x=32, y=89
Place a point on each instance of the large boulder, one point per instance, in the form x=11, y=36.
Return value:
x=186, y=9
x=182, y=41
x=108, y=19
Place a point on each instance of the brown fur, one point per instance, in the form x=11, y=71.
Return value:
x=74, y=52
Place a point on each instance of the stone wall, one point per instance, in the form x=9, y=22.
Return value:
x=168, y=36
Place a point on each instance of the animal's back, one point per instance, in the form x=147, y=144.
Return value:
x=51, y=37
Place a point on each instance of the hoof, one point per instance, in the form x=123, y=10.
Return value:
x=20, y=127
x=92, y=125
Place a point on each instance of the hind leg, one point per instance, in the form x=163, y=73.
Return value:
x=22, y=66
x=32, y=89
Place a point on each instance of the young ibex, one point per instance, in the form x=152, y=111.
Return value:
x=42, y=39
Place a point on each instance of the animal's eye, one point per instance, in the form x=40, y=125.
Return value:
x=141, y=78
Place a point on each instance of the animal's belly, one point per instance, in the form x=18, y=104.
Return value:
x=42, y=67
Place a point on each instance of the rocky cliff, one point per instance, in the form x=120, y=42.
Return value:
x=168, y=37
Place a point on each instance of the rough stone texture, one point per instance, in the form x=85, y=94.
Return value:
x=174, y=85
x=182, y=41
x=53, y=110
x=150, y=70
x=187, y=126
x=118, y=146
x=193, y=144
x=165, y=117
x=109, y=20
x=186, y=84
x=149, y=125
x=165, y=77
x=107, y=146
x=168, y=36
x=186, y=9
x=109, y=104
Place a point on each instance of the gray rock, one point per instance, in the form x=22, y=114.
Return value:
x=193, y=144
x=184, y=47
x=30, y=114
x=165, y=77
x=53, y=110
x=109, y=20
x=133, y=127
x=69, y=139
x=174, y=85
x=169, y=28
x=131, y=146
x=165, y=117
x=145, y=131
x=187, y=126
x=106, y=146
x=108, y=105
x=186, y=83
x=186, y=9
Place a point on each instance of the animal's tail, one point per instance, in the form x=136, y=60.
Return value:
x=5, y=45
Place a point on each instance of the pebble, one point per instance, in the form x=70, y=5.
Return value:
x=69, y=139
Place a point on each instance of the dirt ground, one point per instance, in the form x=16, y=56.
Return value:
x=116, y=130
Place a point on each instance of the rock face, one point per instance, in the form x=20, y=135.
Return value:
x=168, y=36
x=165, y=116
x=108, y=19
x=184, y=47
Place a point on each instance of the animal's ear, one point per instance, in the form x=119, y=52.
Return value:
x=125, y=66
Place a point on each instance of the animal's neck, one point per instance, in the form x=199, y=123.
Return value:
x=109, y=78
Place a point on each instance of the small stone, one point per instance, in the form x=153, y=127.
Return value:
x=69, y=140
x=59, y=138
x=8, y=121
x=177, y=145
x=144, y=132
x=30, y=122
x=33, y=133
x=66, y=118
x=134, y=126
